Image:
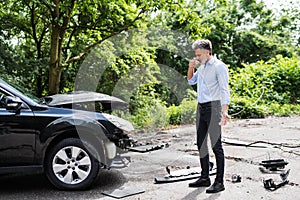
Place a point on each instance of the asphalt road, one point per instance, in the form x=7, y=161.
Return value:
x=36, y=186
x=182, y=152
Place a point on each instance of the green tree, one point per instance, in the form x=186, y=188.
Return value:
x=242, y=31
x=63, y=32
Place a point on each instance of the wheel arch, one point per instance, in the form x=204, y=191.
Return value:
x=89, y=136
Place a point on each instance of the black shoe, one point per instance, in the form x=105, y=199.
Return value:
x=216, y=187
x=201, y=182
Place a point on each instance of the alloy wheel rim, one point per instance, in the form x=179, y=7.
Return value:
x=71, y=165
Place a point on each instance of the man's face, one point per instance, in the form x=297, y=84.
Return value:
x=202, y=55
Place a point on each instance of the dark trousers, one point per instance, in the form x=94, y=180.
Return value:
x=208, y=117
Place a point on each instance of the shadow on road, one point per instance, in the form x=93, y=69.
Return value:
x=194, y=194
x=37, y=186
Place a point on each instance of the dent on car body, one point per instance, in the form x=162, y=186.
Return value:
x=119, y=122
x=89, y=101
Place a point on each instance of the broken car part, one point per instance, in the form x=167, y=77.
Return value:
x=270, y=185
x=235, y=178
x=185, y=171
x=148, y=148
x=285, y=175
x=183, y=174
x=268, y=171
x=120, y=162
x=274, y=165
x=193, y=175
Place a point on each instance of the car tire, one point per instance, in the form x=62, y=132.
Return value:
x=72, y=164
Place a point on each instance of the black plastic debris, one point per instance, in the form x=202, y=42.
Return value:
x=274, y=165
x=285, y=175
x=269, y=184
x=268, y=171
x=235, y=178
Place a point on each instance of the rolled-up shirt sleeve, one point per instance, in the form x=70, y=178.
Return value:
x=194, y=79
x=223, y=76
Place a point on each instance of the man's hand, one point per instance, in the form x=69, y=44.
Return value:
x=225, y=119
x=225, y=116
x=193, y=63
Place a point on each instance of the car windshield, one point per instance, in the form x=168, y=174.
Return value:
x=22, y=90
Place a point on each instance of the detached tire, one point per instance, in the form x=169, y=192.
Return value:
x=70, y=165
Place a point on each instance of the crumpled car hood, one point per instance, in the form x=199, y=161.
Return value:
x=67, y=100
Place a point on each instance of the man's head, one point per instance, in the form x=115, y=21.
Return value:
x=203, y=50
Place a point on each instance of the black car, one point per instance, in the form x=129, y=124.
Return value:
x=58, y=135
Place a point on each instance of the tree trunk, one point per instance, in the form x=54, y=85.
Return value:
x=39, y=79
x=57, y=37
x=55, y=62
x=55, y=59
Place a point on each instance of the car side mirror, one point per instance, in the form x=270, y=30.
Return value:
x=13, y=103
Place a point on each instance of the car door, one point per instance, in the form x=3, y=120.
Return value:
x=17, y=134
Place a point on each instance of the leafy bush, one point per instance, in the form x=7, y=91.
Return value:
x=279, y=79
x=188, y=111
x=245, y=108
x=185, y=113
x=266, y=88
x=174, y=115
x=283, y=110
x=147, y=112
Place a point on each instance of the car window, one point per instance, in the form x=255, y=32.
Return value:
x=2, y=99
x=22, y=91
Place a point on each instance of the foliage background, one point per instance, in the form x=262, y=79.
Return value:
x=259, y=45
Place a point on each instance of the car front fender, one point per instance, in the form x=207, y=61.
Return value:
x=82, y=127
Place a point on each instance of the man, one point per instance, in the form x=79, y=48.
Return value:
x=212, y=110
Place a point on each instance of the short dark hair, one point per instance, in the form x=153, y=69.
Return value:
x=202, y=44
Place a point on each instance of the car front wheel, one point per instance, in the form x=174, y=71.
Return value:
x=71, y=164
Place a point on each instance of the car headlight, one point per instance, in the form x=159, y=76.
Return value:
x=119, y=122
